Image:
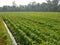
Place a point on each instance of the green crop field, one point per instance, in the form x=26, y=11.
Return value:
x=34, y=28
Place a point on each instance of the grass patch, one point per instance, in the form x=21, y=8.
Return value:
x=4, y=36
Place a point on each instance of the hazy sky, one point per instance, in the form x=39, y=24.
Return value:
x=23, y=2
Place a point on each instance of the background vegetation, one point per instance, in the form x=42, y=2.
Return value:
x=48, y=6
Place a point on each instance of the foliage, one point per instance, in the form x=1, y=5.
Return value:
x=49, y=6
x=31, y=28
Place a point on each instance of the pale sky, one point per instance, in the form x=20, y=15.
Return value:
x=18, y=2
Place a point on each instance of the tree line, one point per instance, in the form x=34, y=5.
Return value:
x=48, y=6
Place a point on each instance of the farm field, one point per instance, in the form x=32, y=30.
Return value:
x=34, y=28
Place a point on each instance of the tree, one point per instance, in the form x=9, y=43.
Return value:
x=55, y=5
x=51, y=5
x=49, y=2
x=58, y=8
x=0, y=9
x=14, y=4
x=44, y=7
x=5, y=8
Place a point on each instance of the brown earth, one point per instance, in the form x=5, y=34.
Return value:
x=1, y=42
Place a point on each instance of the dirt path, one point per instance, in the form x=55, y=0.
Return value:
x=1, y=42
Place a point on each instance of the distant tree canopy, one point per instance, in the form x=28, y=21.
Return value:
x=49, y=6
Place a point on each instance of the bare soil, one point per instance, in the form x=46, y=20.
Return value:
x=1, y=42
